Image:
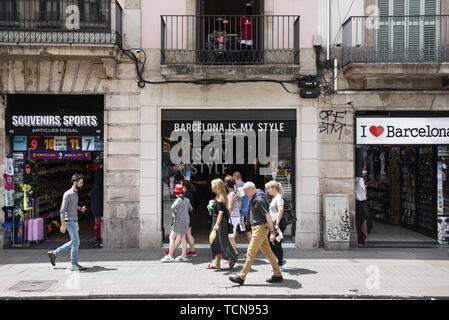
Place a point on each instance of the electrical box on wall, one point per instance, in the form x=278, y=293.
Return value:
x=310, y=93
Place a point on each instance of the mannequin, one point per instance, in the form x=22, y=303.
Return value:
x=246, y=34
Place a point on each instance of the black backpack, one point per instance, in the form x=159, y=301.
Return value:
x=289, y=215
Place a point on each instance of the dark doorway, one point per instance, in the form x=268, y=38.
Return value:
x=228, y=7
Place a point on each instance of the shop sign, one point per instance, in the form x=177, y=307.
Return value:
x=406, y=131
x=19, y=143
x=53, y=124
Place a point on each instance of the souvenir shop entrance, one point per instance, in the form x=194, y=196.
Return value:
x=48, y=139
x=404, y=162
x=199, y=124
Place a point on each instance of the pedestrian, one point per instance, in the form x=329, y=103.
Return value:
x=274, y=189
x=261, y=226
x=69, y=221
x=96, y=202
x=180, y=212
x=221, y=247
x=189, y=189
x=234, y=205
x=244, y=225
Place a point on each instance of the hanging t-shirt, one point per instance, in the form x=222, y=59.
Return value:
x=27, y=173
x=246, y=26
x=9, y=213
x=9, y=198
x=9, y=182
x=9, y=163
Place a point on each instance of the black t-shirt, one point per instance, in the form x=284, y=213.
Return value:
x=259, y=207
x=219, y=206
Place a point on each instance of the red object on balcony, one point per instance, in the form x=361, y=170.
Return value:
x=246, y=23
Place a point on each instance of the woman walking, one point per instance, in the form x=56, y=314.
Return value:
x=234, y=208
x=180, y=211
x=274, y=189
x=221, y=247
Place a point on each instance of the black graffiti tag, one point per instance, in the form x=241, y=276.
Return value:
x=332, y=122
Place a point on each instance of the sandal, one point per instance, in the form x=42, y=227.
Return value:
x=231, y=265
x=212, y=267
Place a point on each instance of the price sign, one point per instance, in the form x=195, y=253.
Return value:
x=35, y=143
x=49, y=143
x=74, y=143
x=88, y=143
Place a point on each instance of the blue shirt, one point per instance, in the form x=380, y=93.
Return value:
x=245, y=203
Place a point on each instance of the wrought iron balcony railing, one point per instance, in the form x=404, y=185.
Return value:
x=229, y=40
x=61, y=21
x=396, y=39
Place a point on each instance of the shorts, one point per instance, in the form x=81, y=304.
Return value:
x=235, y=223
x=247, y=225
x=191, y=218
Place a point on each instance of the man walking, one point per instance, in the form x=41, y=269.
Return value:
x=69, y=222
x=244, y=225
x=261, y=226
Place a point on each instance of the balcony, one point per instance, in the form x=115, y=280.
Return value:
x=69, y=22
x=229, y=45
x=378, y=51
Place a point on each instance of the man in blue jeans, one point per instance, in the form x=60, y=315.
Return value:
x=69, y=222
x=244, y=226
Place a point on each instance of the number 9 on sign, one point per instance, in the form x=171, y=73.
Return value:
x=89, y=143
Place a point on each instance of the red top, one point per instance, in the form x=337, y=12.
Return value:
x=247, y=30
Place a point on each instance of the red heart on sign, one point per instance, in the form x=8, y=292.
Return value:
x=376, y=131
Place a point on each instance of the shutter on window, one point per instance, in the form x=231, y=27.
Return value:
x=399, y=30
x=430, y=25
x=414, y=29
x=383, y=45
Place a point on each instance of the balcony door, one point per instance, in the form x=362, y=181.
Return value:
x=408, y=30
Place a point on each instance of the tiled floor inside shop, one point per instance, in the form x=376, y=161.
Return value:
x=388, y=232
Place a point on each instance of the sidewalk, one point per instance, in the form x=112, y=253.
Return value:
x=402, y=273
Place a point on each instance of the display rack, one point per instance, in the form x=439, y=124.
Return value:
x=408, y=167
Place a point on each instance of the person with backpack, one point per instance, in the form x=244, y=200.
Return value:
x=234, y=204
x=274, y=189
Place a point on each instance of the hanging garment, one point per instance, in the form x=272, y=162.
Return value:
x=9, y=182
x=9, y=163
x=26, y=188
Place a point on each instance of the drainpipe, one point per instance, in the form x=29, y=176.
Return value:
x=328, y=28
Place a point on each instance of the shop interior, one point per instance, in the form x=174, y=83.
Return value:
x=407, y=193
x=38, y=173
x=201, y=176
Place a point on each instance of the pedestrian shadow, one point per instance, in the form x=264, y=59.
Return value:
x=287, y=283
x=299, y=272
x=89, y=270
x=98, y=269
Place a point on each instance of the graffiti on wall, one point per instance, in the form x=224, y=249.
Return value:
x=332, y=122
x=340, y=232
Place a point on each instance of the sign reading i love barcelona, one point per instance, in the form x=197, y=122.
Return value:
x=402, y=130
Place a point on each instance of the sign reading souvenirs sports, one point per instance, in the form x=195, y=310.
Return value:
x=54, y=124
x=402, y=130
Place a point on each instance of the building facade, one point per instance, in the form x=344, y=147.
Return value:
x=205, y=68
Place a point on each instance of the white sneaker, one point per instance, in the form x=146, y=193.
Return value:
x=167, y=258
x=181, y=259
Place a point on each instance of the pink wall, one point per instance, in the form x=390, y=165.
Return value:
x=153, y=9
x=308, y=10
